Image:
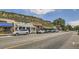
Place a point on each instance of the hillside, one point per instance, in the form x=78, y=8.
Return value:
x=24, y=18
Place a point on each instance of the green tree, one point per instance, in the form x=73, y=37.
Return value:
x=69, y=27
x=76, y=27
x=59, y=23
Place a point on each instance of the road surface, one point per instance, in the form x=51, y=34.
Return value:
x=61, y=40
x=49, y=43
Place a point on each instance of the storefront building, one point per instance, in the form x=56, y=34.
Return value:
x=29, y=26
x=6, y=26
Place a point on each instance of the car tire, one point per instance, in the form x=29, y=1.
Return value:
x=16, y=34
x=27, y=33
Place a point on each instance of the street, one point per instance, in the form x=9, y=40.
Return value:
x=61, y=40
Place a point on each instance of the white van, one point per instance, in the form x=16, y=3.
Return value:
x=20, y=30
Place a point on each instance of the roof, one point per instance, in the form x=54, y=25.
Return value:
x=24, y=24
x=3, y=24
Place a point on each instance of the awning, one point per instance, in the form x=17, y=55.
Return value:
x=3, y=24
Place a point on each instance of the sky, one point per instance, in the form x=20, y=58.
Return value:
x=71, y=16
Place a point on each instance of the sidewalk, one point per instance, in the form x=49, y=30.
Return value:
x=5, y=34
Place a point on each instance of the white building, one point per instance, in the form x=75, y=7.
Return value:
x=31, y=28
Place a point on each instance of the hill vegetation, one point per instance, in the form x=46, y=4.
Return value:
x=24, y=18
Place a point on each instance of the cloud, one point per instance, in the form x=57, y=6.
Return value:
x=42, y=11
x=74, y=23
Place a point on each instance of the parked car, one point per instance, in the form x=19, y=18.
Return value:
x=19, y=32
x=54, y=30
x=41, y=31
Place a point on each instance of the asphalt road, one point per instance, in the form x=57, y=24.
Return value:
x=49, y=43
x=61, y=40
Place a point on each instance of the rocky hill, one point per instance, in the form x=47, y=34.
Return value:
x=25, y=18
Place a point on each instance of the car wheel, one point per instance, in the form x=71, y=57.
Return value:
x=26, y=33
x=16, y=34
